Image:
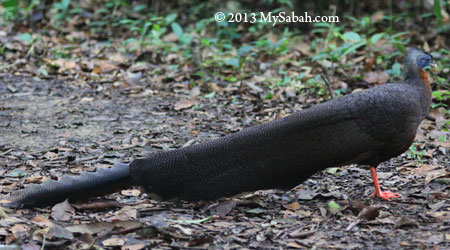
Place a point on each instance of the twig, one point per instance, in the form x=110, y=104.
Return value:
x=327, y=81
x=6, y=152
x=352, y=225
x=430, y=118
x=330, y=28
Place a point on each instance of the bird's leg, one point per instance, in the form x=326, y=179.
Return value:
x=386, y=195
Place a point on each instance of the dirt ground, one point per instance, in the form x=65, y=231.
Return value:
x=58, y=126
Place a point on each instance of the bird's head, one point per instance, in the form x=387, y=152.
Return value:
x=419, y=59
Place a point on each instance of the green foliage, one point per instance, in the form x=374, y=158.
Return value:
x=26, y=37
x=441, y=96
x=395, y=71
x=414, y=153
x=182, y=37
x=151, y=31
x=62, y=12
x=437, y=11
x=10, y=9
x=333, y=207
x=63, y=52
x=230, y=50
x=266, y=46
x=338, y=45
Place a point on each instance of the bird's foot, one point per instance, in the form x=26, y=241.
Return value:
x=386, y=195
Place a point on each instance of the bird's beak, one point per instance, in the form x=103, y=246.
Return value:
x=434, y=68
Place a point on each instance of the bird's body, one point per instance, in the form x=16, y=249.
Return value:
x=366, y=128
x=354, y=129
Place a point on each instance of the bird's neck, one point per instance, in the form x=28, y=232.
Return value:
x=419, y=78
x=424, y=76
x=425, y=81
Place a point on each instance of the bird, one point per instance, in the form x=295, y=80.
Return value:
x=365, y=127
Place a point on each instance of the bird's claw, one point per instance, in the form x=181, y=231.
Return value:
x=386, y=195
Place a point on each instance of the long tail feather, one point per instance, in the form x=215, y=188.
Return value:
x=87, y=184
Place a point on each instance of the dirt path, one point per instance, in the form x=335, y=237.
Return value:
x=46, y=125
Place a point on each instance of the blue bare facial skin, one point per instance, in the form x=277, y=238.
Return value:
x=425, y=61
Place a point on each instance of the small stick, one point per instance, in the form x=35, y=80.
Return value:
x=430, y=118
x=327, y=81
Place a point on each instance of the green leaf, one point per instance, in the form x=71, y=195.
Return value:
x=437, y=11
x=170, y=18
x=206, y=42
x=25, y=37
x=352, y=36
x=126, y=21
x=210, y=94
x=256, y=211
x=334, y=207
x=396, y=68
x=401, y=47
x=319, y=56
x=438, y=95
x=400, y=34
x=65, y=4
x=354, y=47
x=177, y=30
x=244, y=50
x=442, y=138
x=332, y=170
x=139, y=7
x=11, y=4
x=233, y=62
x=17, y=173
x=376, y=37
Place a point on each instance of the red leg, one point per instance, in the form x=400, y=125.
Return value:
x=386, y=195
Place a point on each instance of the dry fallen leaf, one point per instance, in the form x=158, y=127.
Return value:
x=370, y=212
x=423, y=169
x=131, y=192
x=183, y=104
x=292, y=206
x=134, y=247
x=376, y=77
x=124, y=214
x=35, y=179
x=96, y=70
x=105, y=66
x=19, y=230
x=406, y=222
x=294, y=245
x=62, y=211
x=432, y=175
x=171, y=37
x=367, y=213
x=113, y=242
x=50, y=155
x=98, y=227
x=378, y=16
x=63, y=65
x=42, y=221
x=58, y=232
x=306, y=194
x=223, y=208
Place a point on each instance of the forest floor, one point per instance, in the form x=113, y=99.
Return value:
x=58, y=126
x=83, y=87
